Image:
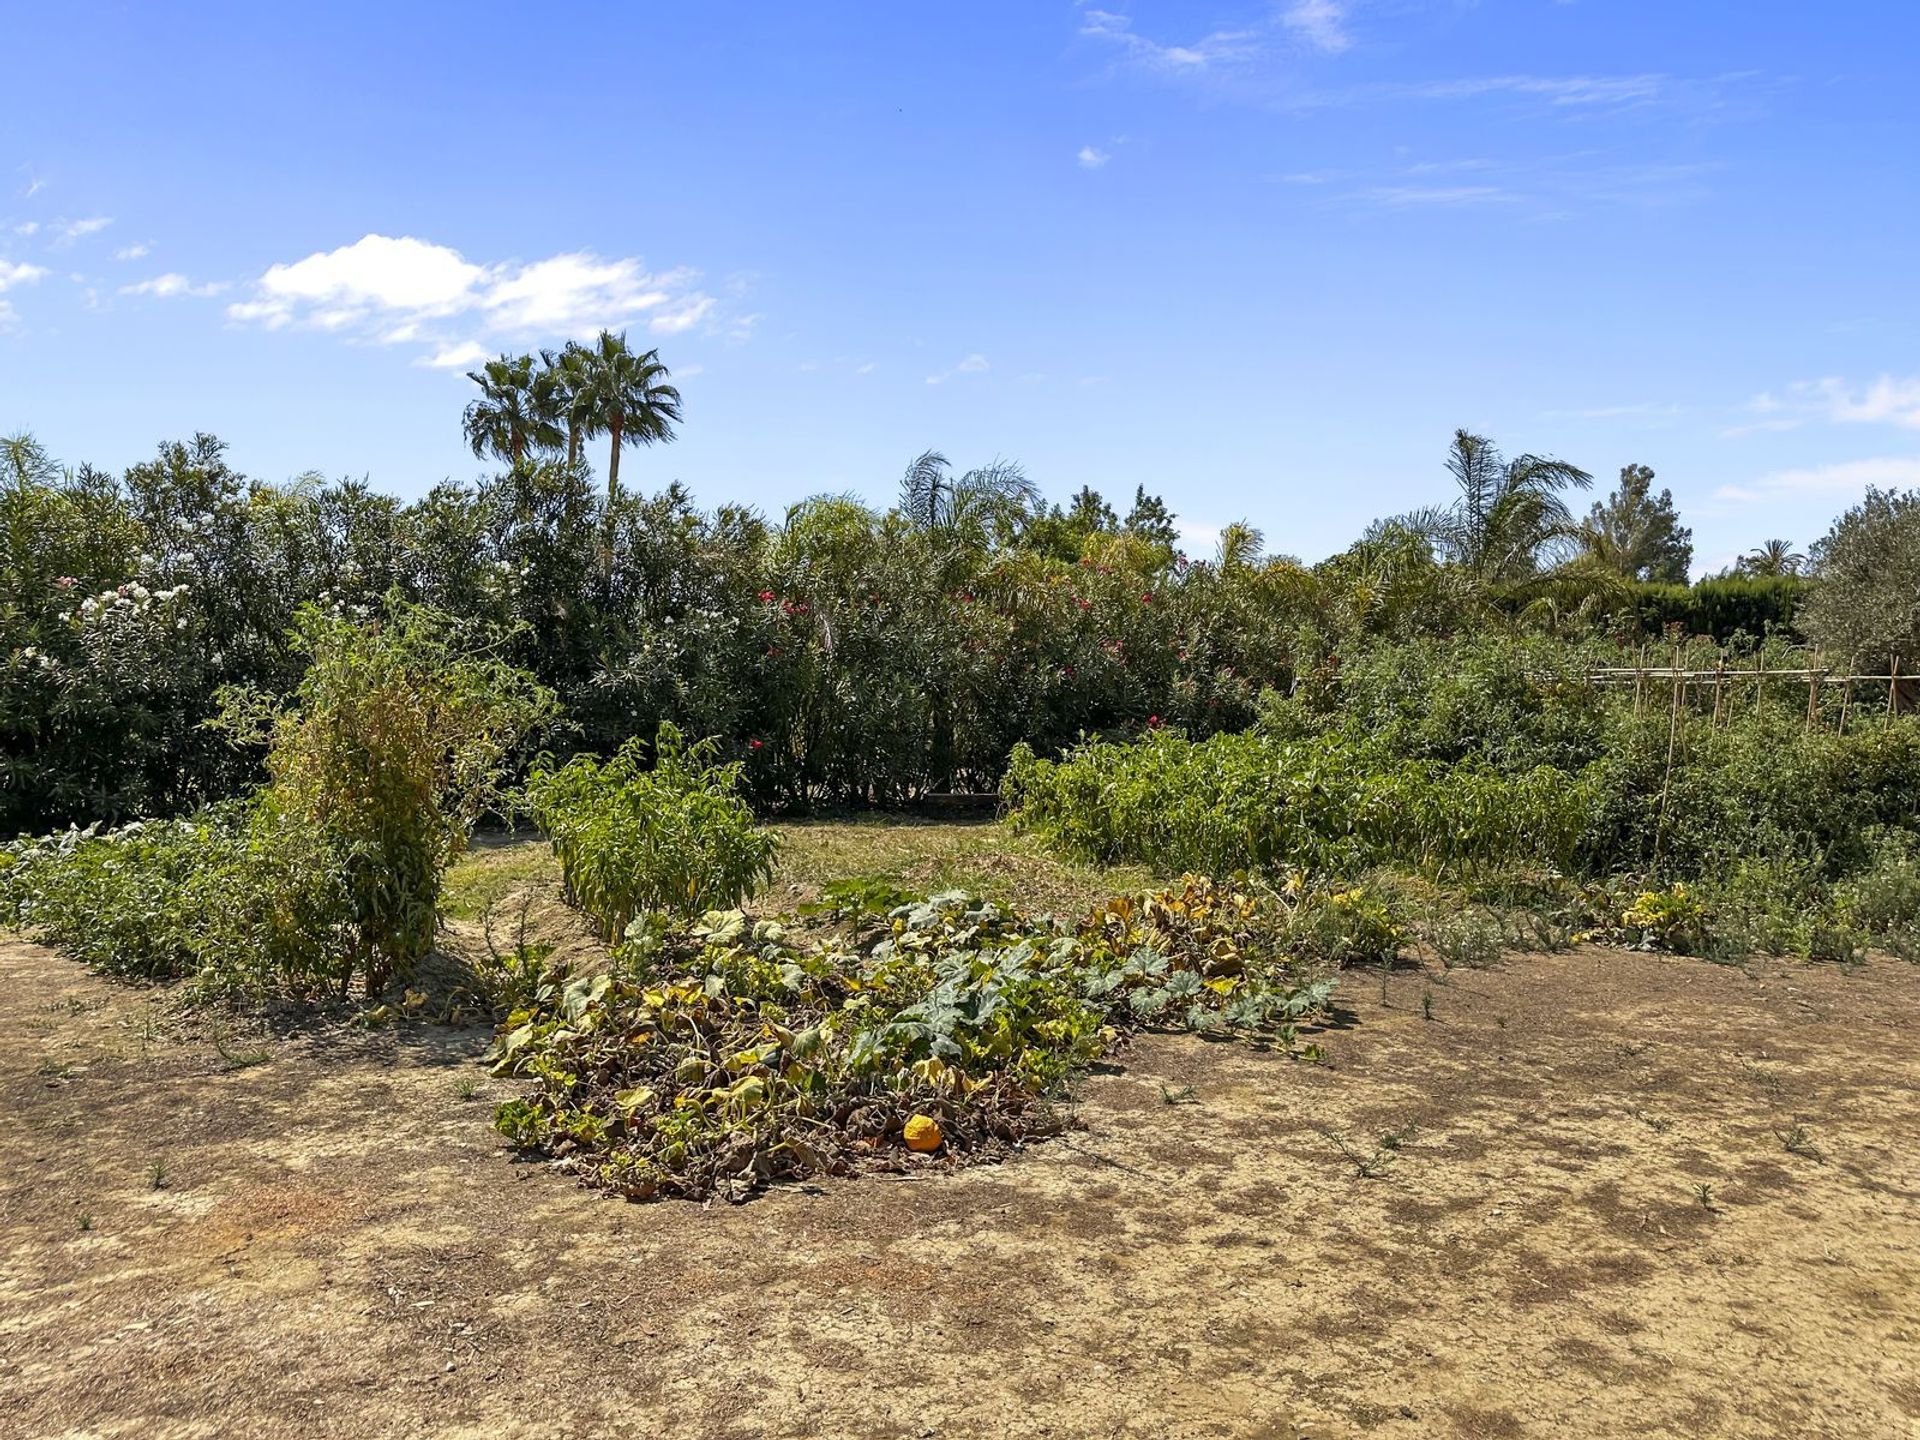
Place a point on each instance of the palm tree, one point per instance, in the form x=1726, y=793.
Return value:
x=975, y=506
x=1241, y=547
x=1775, y=558
x=1507, y=511
x=624, y=395
x=561, y=387
x=508, y=417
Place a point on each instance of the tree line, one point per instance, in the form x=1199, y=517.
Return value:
x=846, y=653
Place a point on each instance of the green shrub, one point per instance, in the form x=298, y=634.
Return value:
x=673, y=837
x=1883, y=899
x=1465, y=938
x=1673, y=919
x=1349, y=924
x=130, y=902
x=1324, y=805
x=394, y=746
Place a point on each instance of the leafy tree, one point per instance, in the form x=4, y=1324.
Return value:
x=1867, y=602
x=512, y=415
x=1089, y=511
x=1063, y=533
x=25, y=461
x=625, y=396
x=1636, y=533
x=1506, y=514
x=1151, y=520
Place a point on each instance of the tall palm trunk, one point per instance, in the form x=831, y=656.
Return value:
x=615, y=422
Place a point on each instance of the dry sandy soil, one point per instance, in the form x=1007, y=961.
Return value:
x=1593, y=1224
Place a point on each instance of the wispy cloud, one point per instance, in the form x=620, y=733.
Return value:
x=65, y=232
x=1547, y=187
x=973, y=365
x=12, y=274
x=1211, y=50
x=165, y=287
x=400, y=290
x=1322, y=23
x=1434, y=195
x=1889, y=400
x=1565, y=90
x=1844, y=477
x=1092, y=158
x=133, y=252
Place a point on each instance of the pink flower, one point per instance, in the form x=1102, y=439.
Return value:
x=66, y=582
x=1153, y=722
x=766, y=597
x=756, y=744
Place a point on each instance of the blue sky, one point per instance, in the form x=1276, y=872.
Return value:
x=1260, y=257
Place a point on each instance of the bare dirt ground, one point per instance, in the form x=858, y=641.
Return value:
x=1616, y=1195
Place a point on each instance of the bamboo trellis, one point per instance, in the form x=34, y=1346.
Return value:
x=1726, y=684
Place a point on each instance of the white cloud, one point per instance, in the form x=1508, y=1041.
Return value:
x=1212, y=49
x=65, y=232
x=133, y=252
x=166, y=286
x=574, y=292
x=1889, y=400
x=27, y=227
x=1847, y=476
x=375, y=273
x=20, y=274
x=1555, y=90
x=1322, y=23
x=394, y=290
x=682, y=316
x=456, y=357
x=1092, y=158
x=972, y=365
